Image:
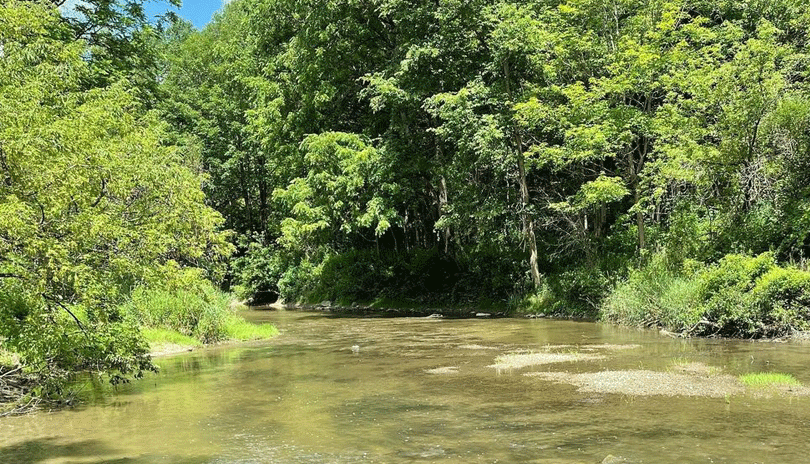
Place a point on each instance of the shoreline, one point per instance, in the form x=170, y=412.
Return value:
x=470, y=312
x=164, y=350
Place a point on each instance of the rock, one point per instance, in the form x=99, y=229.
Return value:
x=435, y=316
x=482, y=314
x=355, y=348
x=611, y=459
x=325, y=304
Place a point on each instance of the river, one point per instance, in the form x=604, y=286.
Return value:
x=413, y=390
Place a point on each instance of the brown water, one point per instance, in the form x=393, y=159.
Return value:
x=309, y=397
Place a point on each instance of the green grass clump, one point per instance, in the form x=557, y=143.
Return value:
x=768, y=379
x=156, y=336
x=237, y=328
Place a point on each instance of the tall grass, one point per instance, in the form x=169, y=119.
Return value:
x=160, y=335
x=655, y=296
x=201, y=313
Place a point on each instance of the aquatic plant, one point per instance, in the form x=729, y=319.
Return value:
x=768, y=379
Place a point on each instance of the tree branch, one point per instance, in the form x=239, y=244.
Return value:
x=78, y=322
x=101, y=194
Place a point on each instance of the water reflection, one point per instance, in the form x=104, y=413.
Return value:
x=308, y=396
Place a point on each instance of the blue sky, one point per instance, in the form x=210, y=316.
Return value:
x=198, y=12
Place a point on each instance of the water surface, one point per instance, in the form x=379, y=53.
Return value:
x=412, y=390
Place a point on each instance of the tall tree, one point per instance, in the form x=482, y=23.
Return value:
x=92, y=203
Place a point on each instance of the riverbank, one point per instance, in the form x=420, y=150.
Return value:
x=171, y=343
x=24, y=389
x=391, y=308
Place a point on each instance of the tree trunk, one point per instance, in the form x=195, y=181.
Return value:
x=525, y=217
x=442, y=207
x=640, y=223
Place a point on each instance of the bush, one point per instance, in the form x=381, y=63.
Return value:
x=725, y=295
x=258, y=269
x=739, y=296
x=418, y=275
x=782, y=295
x=54, y=341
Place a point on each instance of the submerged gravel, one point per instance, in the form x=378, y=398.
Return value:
x=648, y=383
x=521, y=360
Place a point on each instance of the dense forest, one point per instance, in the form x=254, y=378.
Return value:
x=645, y=162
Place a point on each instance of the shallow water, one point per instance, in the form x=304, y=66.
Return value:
x=423, y=390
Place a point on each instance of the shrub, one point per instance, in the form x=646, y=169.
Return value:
x=754, y=297
x=782, y=295
x=578, y=291
x=738, y=296
x=54, y=342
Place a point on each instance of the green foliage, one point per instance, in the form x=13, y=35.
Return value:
x=52, y=345
x=738, y=296
x=157, y=336
x=236, y=328
x=93, y=202
x=424, y=276
x=451, y=151
x=192, y=308
x=655, y=296
x=597, y=192
x=259, y=268
x=579, y=135
x=345, y=191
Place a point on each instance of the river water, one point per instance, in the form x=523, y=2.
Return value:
x=414, y=390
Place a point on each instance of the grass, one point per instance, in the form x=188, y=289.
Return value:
x=192, y=317
x=768, y=379
x=236, y=328
x=157, y=336
x=202, y=314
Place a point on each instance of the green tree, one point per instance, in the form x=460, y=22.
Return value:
x=92, y=204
